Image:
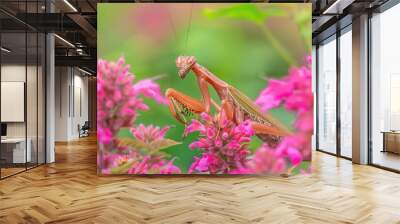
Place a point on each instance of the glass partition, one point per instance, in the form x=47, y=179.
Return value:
x=22, y=88
x=327, y=96
x=14, y=153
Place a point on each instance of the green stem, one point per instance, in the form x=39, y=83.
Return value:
x=299, y=28
x=278, y=46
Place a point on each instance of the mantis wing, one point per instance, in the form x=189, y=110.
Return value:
x=252, y=110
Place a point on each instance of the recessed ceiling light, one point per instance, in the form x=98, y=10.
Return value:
x=338, y=6
x=84, y=71
x=70, y=5
x=5, y=50
x=64, y=40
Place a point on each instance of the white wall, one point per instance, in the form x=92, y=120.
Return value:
x=61, y=103
x=71, y=94
x=80, y=102
x=12, y=73
x=33, y=127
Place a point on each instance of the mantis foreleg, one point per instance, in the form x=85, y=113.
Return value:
x=205, y=94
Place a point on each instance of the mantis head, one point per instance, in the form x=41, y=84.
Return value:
x=184, y=64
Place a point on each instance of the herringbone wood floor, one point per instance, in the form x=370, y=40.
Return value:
x=70, y=192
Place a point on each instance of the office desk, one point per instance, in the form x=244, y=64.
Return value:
x=391, y=141
x=13, y=150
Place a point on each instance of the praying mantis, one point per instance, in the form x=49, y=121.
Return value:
x=235, y=105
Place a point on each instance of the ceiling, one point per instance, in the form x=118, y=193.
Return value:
x=75, y=23
x=331, y=15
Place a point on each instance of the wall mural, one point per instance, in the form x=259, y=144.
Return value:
x=204, y=88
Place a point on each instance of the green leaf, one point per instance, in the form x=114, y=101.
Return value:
x=305, y=165
x=134, y=143
x=162, y=144
x=122, y=168
x=151, y=148
x=241, y=11
x=250, y=12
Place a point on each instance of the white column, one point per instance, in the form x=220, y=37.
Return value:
x=50, y=94
x=314, y=90
x=360, y=90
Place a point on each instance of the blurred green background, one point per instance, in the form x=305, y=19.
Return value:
x=243, y=44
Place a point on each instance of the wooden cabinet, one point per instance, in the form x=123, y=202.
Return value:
x=391, y=142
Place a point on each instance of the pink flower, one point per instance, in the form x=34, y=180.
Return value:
x=104, y=135
x=295, y=94
x=267, y=101
x=150, y=89
x=194, y=126
x=113, y=160
x=294, y=156
x=118, y=102
x=300, y=101
x=309, y=59
x=118, y=99
x=273, y=95
x=305, y=121
x=267, y=160
x=222, y=142
x=194, y=165
x=150, y=133
x=169, y=168
x=203, y=163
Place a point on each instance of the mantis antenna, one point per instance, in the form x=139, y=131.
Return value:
x=187, y=30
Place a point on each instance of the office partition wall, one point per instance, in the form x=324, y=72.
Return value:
x=22, y=88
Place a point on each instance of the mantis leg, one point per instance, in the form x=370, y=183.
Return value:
x=268, y=134
x=267, y=130
x=217, y=107
x=179, y=103
x=204, y=92
x=226, y=108
x=259, y=129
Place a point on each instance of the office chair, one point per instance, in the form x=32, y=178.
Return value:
x=84, y=130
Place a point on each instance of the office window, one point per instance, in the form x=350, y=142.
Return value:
x=385, y=89
x=327, y=96
x=346, y=92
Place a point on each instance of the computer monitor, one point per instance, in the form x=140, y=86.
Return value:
x=3, y=129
